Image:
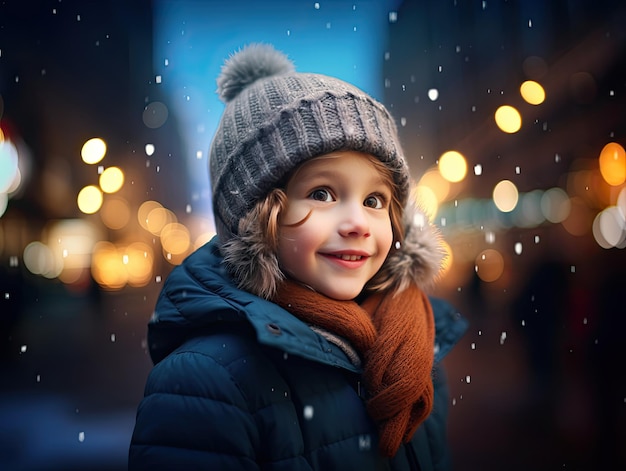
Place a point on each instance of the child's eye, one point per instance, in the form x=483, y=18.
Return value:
x=321, y=194
x=374, y=202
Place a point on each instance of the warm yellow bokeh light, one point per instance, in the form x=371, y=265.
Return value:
x=93, y=150
x=107, y=266
x=489, y=265
x=452, y=166
x=111, y=180
x=435, y=181
x=426, y=200
x=508, y=119
x=158, y=218
x=138, y=258
x=532, y=92
x=613, y=164
x=65, y=253
x=73, y=241
x=173, y=259
x=113, y=267
x=505, y=196
x=203, y=239
x=89, y=199
x=115, y=213
x=144, y=210
x=175, y=238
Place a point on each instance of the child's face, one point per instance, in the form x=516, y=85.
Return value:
x=346, y=238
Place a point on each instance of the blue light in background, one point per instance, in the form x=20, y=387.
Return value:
x=345, y=39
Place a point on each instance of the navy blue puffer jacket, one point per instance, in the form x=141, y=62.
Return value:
x=241, y=384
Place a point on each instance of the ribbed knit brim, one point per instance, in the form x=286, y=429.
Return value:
x=277, y=122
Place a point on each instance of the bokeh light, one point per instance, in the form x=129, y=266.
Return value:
x=4, y=203
x=115, y=213
x=508, y=119
x=39, y=260
x=111, y=180
x=528, y=211
x=621, y=201
x=8, y=165
x=202, y=239
x=158, y=218
x=155, y=115
x=505, y=196
x=580, y=218
x=70, y=242
x=115, y=266
x=452, y=166
x=439, y=185
x=107, y=266
x=609, y=228
x=175, y=238
x=613, y=164
x=93, y=151
x=89, y=199
x=489, y=265
x=555, y=205
x=144, y=210
x=426, y=200
x=17, y=181
x=532, y=92
x=138, y=259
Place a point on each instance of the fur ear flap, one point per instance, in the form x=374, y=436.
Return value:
x=418, y=259
x=249, y=256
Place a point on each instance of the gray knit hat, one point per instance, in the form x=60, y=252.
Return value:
x=276, y=118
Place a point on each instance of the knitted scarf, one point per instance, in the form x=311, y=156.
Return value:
x=395, y=337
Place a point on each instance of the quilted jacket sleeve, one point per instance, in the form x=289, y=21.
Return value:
x=193, y=417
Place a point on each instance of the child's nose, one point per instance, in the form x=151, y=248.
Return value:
x=355, y=222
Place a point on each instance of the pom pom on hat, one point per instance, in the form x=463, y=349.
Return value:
x=254, y=62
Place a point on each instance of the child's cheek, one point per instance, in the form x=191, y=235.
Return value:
x=296, y=212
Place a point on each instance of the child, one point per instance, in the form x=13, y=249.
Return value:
x=300, y=337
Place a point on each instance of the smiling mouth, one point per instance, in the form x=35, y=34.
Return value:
x=350, y=258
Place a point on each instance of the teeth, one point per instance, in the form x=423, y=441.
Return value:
x=350, y=258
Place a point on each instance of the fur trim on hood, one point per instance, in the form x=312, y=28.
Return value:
x=418, y=259
x=252, y=262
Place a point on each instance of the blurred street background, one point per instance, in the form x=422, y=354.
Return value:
x=512, y=114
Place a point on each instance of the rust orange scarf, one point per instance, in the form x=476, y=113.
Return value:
x=395, y=337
